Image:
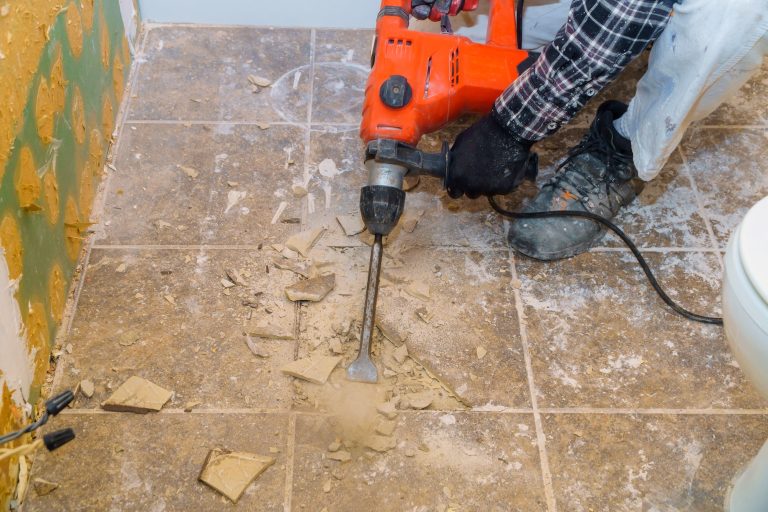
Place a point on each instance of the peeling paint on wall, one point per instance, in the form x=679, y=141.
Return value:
x=16, y=366
x=63, y=66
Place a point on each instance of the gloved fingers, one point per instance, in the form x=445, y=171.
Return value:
x=420, y=9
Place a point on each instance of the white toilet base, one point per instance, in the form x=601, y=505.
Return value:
x=749, y=492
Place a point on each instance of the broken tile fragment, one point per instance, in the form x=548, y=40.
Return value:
x=256, y=348
x=312, y=369
x=420, y=400
x=296, y=267
x=380, y=444
x=351, y=224
x=410, y=182
x=303, y=242
x=327, y=486
x=259, y=81
x=418, y=290
x=341, y=456
x=335, y=346
x=230, y=473
x=386, y=428
x=267, y=326
x=313, y=290
x=191, y=405
x=411, y=219
x=390, y=332
x=481, y=352
x=400, y=354
x=334, y=446
x=87, y=388
x=43, y=487
x=137, y=395
x=388, y=409
x=299, y=190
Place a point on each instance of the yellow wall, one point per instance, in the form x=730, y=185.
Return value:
x=63, y=67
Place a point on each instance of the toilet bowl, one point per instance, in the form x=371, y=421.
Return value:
x=745, y=320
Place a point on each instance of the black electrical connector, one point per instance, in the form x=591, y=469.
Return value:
x=53, y=406
x=58, y=439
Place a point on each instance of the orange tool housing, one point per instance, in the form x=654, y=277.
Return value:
x=446, y=75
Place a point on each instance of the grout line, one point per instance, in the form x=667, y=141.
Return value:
x=235, y=123
x=702, y=209
x=654, y=249
x=661, y=411
x=546, y=474
x=289, y=464
x=732, y=126
x=178, y=247
x=460, y=248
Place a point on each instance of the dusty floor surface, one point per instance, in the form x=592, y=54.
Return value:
x=564, y=386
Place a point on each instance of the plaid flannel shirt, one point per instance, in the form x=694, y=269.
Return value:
x=598, y=41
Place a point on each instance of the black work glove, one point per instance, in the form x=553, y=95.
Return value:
x=488, y=160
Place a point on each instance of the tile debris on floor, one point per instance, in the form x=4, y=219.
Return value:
x=506, y=384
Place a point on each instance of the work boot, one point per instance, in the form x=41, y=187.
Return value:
x=596, y=177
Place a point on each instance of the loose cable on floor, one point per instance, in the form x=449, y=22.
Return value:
x=629, y=243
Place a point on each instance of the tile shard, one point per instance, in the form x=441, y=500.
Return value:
x=380, y=444
x=418, y=290
x=87, y=388
x=351, y=224
x=303, y=242
x=340, y=456
x=137, y=395
x=43, y=487
x=312, y=369
x=268, y=327
x=230, y=473
x=313, y=290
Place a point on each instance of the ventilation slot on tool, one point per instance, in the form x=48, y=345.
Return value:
x=426, y=81
x=454, y=67
x=399, y=48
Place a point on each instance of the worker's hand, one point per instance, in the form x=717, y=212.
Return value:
x=488, y=160
x=420, y=9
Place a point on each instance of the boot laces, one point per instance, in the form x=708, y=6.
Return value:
x=618, y=167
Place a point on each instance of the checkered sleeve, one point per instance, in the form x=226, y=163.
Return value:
x=597, y=41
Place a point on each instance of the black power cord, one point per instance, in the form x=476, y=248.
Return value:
x=632, y=247
x=52, y=407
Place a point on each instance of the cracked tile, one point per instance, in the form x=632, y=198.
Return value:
x=466, y=461
x=600, y=337
x=165, y=316
x=153, y=200
x=151, y=462
x=604, y=463
x=201, y=73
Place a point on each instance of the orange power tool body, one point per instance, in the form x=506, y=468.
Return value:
x=419, y=82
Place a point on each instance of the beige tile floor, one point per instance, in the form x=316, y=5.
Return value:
x=591, y=397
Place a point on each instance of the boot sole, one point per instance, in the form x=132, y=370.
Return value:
x=560, y=255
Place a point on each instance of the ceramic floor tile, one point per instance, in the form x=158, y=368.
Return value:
x=605, y=463
x=153, y=200
x=466, y=462
x=345, y=46
x=126, y=325
x=600, y=337
x=445, y=221
x=730, y=170
x=747, y=106
x=470, y=303
x=665, y=213
x=201, y=73
x=147, y=462
x=342, y=64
